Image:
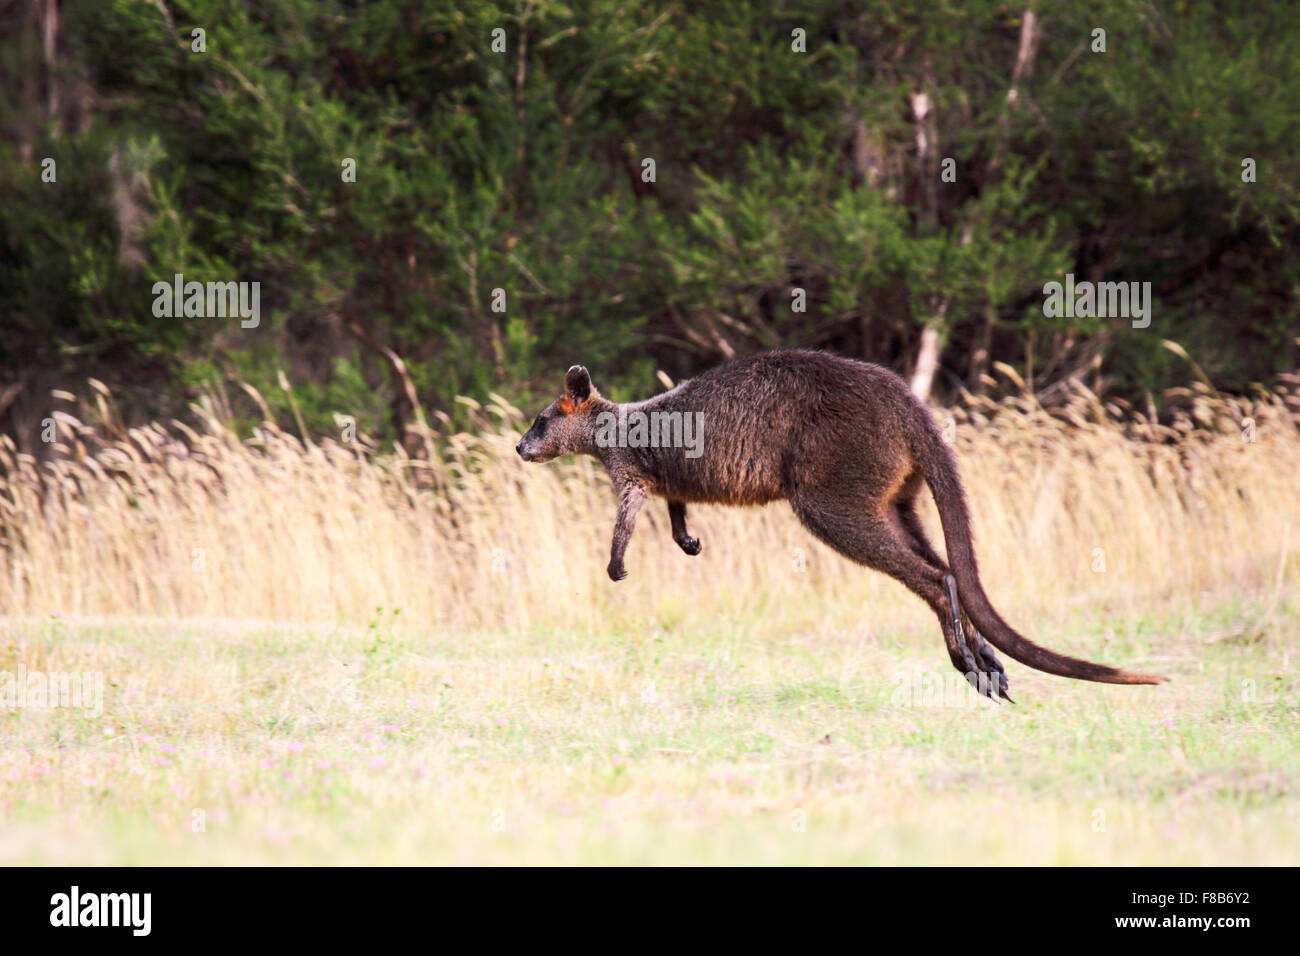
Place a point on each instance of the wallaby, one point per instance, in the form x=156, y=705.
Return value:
x=845, y=442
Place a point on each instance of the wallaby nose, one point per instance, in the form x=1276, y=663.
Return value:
x=519, y=449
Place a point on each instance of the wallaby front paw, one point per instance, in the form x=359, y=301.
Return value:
x=690, y=545
x=616, y=571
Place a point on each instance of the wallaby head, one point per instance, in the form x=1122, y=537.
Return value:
x=567, y=426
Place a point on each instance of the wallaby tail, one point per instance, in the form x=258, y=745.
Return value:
x=939, y=468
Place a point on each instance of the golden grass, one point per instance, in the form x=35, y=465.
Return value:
x=1069, y=509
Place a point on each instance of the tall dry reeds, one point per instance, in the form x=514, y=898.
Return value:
x=1087, y=504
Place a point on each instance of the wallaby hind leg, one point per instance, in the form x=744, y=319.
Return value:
x=905, y=509
x=867, y=537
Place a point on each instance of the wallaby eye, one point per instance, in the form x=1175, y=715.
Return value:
x=539, y=426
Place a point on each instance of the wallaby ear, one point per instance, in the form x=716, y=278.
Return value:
x=577, y=384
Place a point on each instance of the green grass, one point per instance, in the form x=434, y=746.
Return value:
x=783, y=738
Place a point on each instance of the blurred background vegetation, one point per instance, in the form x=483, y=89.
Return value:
x=776, y=169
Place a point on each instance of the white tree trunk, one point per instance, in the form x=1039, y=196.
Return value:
x=927, y=362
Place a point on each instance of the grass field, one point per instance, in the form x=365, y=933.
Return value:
x=756, y=740
x=360, y=668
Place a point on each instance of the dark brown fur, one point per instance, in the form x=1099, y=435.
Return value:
x=849, y=446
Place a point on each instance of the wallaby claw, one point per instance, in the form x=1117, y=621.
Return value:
x=689, y=545
x=997, y=673
x=616, y=572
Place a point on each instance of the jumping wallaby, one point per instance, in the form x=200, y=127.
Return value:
x=845, y=442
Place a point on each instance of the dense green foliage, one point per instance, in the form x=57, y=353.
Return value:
x=775, y=170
